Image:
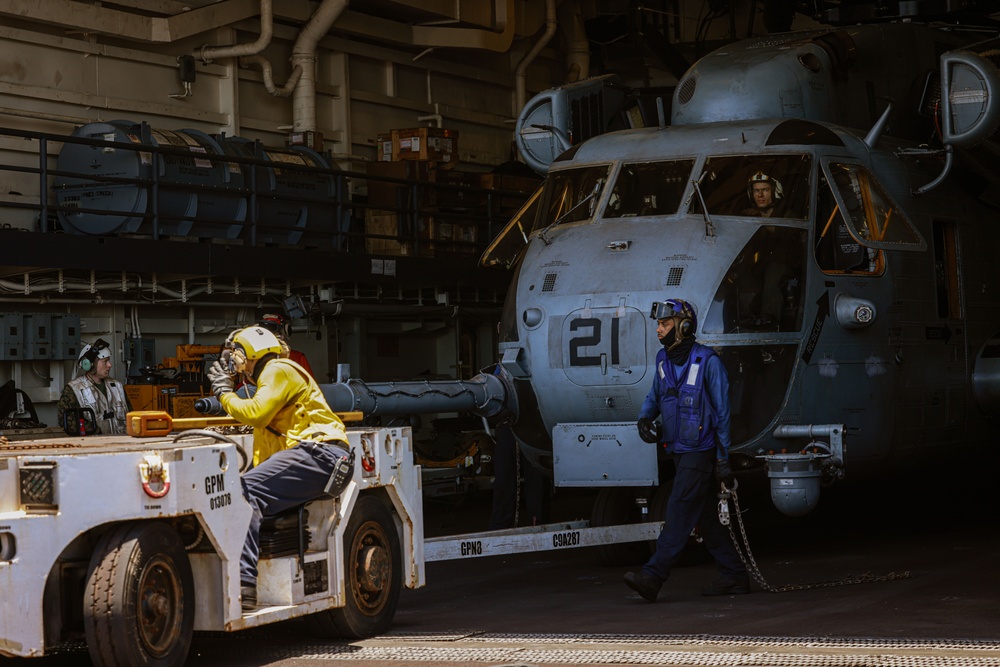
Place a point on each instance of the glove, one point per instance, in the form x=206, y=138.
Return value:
x=226, y=361
x=724, y=474
x=649, y=430
x=222, y=382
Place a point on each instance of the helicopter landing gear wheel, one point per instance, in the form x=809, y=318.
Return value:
x=695, y=553
x=373, y=575
x=139, y=598
x=614, y=507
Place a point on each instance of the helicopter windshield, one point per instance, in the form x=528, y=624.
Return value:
x=571, y=195
x=769, y=186
x=649, y=188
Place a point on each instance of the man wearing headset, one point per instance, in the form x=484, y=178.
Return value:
x=300, y=445
x=766, y=196
x=691, y=393
x=96, y=390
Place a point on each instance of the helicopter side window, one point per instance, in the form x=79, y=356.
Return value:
x=762, y=291
x=649, y=188
x=872, y=217
x=837, y=252
x=571, y=195
x=759, y=186
x=506, y=248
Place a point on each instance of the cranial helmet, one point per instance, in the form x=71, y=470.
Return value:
x=682, y=311
x=760, y=177
x=91, y=353
x=276, y=324
x=252, y=344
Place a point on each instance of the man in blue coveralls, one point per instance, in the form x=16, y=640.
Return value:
x=691, y=393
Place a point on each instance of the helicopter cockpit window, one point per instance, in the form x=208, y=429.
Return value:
x=763, y=289
x=836, y=249
x=571, y=195
x=765, y=186
x=507, y=246
x=872, y=218
x=649, y=188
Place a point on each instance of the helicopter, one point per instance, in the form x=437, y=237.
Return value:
x=856, y=316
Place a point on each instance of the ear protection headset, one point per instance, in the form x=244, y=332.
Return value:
x=237, y=359
x=685, y=327
x=91, y=354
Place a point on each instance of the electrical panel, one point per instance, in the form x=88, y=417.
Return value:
x=139, y=353
x=66, y=336
x=38, y=336
x=33, y=336
x=12, y=338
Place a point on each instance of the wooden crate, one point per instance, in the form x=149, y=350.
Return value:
x=425, y=143
x=385, y=223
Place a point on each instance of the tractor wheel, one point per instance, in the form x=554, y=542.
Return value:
x=613, y=507
x=139, y=598
x=373, y=571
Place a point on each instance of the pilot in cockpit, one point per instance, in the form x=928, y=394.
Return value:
x=766, y=196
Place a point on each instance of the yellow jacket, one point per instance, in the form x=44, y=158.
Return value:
x=289, y=401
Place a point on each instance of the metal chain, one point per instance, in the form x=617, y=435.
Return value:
x=754, y=570
x=15, y=445
x=517, y=483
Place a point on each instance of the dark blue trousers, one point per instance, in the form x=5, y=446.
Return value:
x=286, y=479
x=693, y=501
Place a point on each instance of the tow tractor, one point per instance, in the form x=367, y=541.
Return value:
x=133, y=541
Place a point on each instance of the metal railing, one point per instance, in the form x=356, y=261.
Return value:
x=339, y=221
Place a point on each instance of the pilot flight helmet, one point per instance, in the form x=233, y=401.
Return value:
x=760, y=177
x=685, y=314
x=250, y=345
x=91, y=353
x=276, y=324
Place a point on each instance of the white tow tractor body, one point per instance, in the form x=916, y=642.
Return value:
x=135, y=543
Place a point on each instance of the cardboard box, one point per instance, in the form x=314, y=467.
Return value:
x=425, y=143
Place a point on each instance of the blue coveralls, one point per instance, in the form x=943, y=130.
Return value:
x=696, y=435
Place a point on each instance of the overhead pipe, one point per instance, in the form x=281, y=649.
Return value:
x=209, y=53
x=522, y=67
x=265, y=68
x=304, y=56
x=577, y=46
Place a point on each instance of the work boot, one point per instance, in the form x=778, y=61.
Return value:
x=248, y=597
x=643, y=584
x=728, y=586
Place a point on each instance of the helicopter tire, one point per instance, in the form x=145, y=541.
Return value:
x=695, y=553
x=613, y=507
x=139, y=599
x=373, y=575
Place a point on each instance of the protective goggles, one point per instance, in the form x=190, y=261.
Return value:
x=661, y=310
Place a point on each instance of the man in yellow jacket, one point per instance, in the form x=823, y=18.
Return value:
x=300, y=446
